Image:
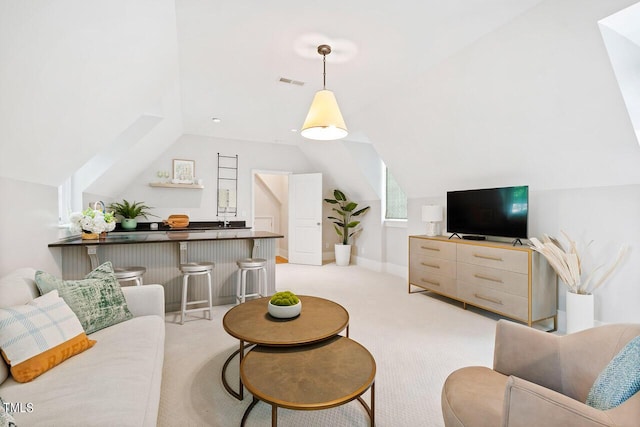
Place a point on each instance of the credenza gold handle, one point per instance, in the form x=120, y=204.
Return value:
x=483, y=277
x=492, y=258
x=431, y=282
x=430, y=265
x=493, y=300
x=430, y=249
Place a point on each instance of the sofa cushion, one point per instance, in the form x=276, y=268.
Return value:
x=97, y=300
x=619, y=380
x=116, y=383
x=40, y=335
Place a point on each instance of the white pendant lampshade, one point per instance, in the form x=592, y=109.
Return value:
x=432, y=215
x=324, y=120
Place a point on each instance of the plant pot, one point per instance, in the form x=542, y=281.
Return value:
x=284, y=311
x=580, y=312
x=343, y=254
x=129, y=223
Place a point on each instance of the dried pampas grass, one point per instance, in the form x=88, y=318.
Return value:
x=568, y=264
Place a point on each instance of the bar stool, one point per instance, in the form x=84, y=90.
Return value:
x=195, y=269
x=251, y=264
x=126, y=274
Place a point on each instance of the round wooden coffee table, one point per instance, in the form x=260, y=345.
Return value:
x=323, y=375
x=251, y=323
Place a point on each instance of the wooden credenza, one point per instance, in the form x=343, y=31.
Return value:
x=513, y=281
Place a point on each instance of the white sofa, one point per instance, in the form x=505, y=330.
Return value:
x=115, y=383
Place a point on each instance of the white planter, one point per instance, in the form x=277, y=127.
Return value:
x=580, y=312
x=343, y=254
x=284, y=311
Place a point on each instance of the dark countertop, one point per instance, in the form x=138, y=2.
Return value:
x=167, y=235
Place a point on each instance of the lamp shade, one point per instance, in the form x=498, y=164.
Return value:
x=324, y=121
x=432, y=213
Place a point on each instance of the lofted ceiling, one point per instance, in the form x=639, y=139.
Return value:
x=233, y=55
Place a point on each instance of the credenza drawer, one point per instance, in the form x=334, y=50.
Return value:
x=491, y=299
x=432, y=265
x=500, y=280
x=432, y=248
x=441, y=284
x=503, y=259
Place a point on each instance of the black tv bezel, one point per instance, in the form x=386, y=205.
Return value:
x=481, y=232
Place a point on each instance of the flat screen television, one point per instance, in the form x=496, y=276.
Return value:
x=499, y=212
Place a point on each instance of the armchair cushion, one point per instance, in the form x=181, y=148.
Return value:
x=619, y=380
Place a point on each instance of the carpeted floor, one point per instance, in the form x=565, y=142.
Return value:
x=416, y=339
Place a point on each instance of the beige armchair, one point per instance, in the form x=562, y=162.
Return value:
x=539, y=379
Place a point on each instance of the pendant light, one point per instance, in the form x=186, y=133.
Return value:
x=324, y=121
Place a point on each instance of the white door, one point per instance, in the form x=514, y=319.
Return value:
x=305, y=219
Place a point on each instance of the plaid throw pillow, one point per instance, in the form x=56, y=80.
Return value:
x=39, y=335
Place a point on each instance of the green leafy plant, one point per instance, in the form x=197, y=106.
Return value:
x=284, y=298
x=347, y=210
x=131, y=210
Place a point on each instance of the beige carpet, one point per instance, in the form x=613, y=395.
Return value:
x=417, y=340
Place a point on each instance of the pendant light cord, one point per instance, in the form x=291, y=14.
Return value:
x=324, y=72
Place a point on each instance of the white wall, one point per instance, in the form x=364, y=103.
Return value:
x=28, y=223
x=200, y=205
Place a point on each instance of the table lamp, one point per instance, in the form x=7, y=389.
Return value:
x=432, y=215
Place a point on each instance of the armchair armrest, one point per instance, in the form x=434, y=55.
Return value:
x=145, y=300
x=527, y=404
x=527, y=353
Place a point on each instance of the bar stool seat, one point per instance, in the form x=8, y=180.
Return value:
x=126, y=274
x=244, y=266
x=196, y=269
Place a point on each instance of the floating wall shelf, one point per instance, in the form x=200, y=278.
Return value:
x=170, y=185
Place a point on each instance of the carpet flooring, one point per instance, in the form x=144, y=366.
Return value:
x=416, y=340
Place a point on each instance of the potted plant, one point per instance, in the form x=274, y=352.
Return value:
x=344, y=226
x=284, y=305
x=567, y=263
x=129, y=212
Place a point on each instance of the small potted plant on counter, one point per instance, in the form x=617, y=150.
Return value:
x=344, y=226
x=284, y=305
x=130, y=212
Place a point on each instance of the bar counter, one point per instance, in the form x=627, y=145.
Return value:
x=161, y=253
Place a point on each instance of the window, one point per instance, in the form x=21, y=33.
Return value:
x=396, y=200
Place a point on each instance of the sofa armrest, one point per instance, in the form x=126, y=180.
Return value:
x=527, y=404
x=527, y=353
x=145, y=300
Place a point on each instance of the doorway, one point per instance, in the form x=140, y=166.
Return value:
x=271, y=207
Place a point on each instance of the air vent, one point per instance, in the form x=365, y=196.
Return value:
x=291, y=82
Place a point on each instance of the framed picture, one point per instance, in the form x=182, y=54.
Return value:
x=184, y=171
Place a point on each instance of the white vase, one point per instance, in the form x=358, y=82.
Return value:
x=580, y=312
x=343, y=254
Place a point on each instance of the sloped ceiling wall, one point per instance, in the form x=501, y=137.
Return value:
x=535, y=102
x=74, y=77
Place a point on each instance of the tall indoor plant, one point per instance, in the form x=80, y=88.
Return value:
x=130, y=212
x=567, y=263
x=345, y=227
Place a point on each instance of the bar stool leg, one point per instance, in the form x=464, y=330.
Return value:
x=263, y=283
x=238, y=286
x=210, y=297
x=244, y=285
x=185, y=284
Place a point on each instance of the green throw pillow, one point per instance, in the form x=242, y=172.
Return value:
x=619, y=380
x=97, y=299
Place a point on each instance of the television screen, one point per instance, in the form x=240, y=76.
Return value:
x=500, y=212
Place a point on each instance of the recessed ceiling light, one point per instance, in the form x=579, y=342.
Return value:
x=216, y=120
x=294, y=130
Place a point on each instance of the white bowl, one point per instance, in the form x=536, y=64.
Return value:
x=285, y=311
